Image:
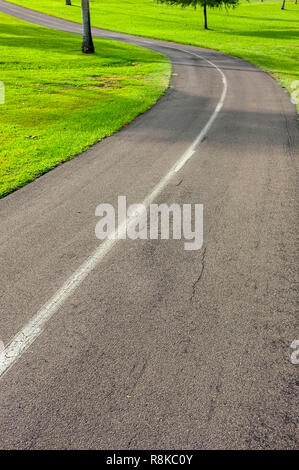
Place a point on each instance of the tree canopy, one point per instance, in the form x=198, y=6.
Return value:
x=202, y=3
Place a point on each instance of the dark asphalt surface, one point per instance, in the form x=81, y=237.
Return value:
x=161, y=348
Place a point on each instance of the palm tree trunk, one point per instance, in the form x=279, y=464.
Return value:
x=283, y=4
x=87, y=44
x=68, y=2
x=205, y=16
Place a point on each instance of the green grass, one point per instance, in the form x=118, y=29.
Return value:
x=64, y=99
x=259, y=32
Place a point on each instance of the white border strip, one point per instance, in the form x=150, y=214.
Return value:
x=31, y=331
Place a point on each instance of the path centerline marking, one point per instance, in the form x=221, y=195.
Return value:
x=32, y=330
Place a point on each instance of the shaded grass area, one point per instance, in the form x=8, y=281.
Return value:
x=59, y=101
x=257, y=31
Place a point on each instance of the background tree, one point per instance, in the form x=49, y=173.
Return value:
x=87, y=44
x=283, y=4
x=68, y=2
x=204, y=4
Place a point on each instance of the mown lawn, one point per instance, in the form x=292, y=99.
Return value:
x=59, y=101
x=257, y=31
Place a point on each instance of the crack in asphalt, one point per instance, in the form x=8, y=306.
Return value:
x=194, y=285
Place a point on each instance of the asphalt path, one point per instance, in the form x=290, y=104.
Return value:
x=142, y=344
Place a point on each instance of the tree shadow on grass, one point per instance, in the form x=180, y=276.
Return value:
x=258, y=18
x=68, y=44
x=268, y=34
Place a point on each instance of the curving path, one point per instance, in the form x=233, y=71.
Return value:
x=142, y=344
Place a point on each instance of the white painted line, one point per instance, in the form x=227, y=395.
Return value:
x=30, y=332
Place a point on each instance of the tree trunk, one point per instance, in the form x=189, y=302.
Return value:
x=283, y=4
x=87, y=43
x=68, y=2
x=205, y=16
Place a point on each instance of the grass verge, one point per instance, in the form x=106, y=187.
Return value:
x=59, y=101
